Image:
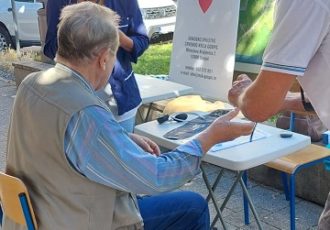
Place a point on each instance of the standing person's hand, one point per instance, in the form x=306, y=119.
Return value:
x=146, y=144
x=223, y=129
x=241, y=83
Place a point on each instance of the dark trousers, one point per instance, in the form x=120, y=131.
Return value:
x=175, y=210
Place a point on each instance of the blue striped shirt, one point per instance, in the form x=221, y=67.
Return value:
x=100, y=149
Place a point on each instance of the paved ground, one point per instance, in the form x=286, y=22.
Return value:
x=7, y=93
x=270, y=203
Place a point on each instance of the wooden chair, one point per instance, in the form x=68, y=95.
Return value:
x=15, y=202
x=292, y=164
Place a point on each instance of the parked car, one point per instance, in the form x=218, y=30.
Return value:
x=159, y=17
x=27, y=23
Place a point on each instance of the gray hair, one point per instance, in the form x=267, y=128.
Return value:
x=85, y=29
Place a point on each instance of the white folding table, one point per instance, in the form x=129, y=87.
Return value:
x=237, y=158
x=153, y=89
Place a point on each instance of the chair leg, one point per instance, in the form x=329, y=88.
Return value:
x=26, y=211
x=292, y=203
x=285, y=185
x=292, y=122
x=1, y=215
x=245, y=202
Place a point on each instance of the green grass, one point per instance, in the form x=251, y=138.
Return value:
x=255, y=27
x=155, y=60
x=8, y=56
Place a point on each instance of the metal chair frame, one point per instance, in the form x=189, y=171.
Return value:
x=15, y=202
x=289, y=187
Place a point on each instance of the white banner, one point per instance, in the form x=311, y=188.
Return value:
x=204, y=43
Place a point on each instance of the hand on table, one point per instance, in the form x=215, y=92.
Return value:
x=241, y=83
x=146, y=144
x=223, y=129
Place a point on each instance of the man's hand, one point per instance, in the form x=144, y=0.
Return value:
x=241, y=83
x=262, y=98
x=223, y=129
x=146, y=144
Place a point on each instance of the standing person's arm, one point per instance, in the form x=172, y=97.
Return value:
x=136, y=40
x=125, y=42
x=300, y=27
x=262, y=98
x=53, y=12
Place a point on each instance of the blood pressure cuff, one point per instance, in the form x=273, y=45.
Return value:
x=197, y=125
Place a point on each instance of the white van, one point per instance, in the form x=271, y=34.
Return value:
x=159, y=17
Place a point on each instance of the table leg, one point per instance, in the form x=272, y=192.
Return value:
x=239, y=180
x=140, y=114
x=231, y=190
x=148, y=112
x=246, y=193
x=216, y=182
x=207, y=183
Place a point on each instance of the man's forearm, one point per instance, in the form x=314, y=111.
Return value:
x=293, y=102
x=264, y=97
x=125, y=42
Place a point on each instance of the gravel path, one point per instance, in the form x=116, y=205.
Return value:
x=4, y=75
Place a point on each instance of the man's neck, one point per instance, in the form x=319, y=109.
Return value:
x=84, y=70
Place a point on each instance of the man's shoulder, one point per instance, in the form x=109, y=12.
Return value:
x=46, y=77
x=32, y=77
x=296, y=4
x=324, y=4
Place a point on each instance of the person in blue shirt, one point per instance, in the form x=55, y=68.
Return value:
x=122, y=94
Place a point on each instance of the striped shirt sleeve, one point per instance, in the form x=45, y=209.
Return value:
x=98, y=148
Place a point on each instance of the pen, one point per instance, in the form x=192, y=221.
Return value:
x=254, y=128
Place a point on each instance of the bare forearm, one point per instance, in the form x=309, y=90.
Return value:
x=125, y=42
x=264, y=97
x=293, y=102
x=207, y=140
x=258, y=106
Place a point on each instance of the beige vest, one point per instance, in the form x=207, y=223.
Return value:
x=61, y=197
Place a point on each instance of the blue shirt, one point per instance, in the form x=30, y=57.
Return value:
x=122, y=80
x=100, y=149
x=123, y=83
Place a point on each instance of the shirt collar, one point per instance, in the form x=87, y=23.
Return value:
x=76, y=75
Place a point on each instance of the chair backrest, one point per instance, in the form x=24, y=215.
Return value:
x=15, y=201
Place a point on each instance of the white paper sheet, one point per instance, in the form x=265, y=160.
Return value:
x=257, y=135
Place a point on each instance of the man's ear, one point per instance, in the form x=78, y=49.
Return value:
x=103, y=58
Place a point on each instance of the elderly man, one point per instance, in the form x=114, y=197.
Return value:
x=81, y=167
x=299, y=48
